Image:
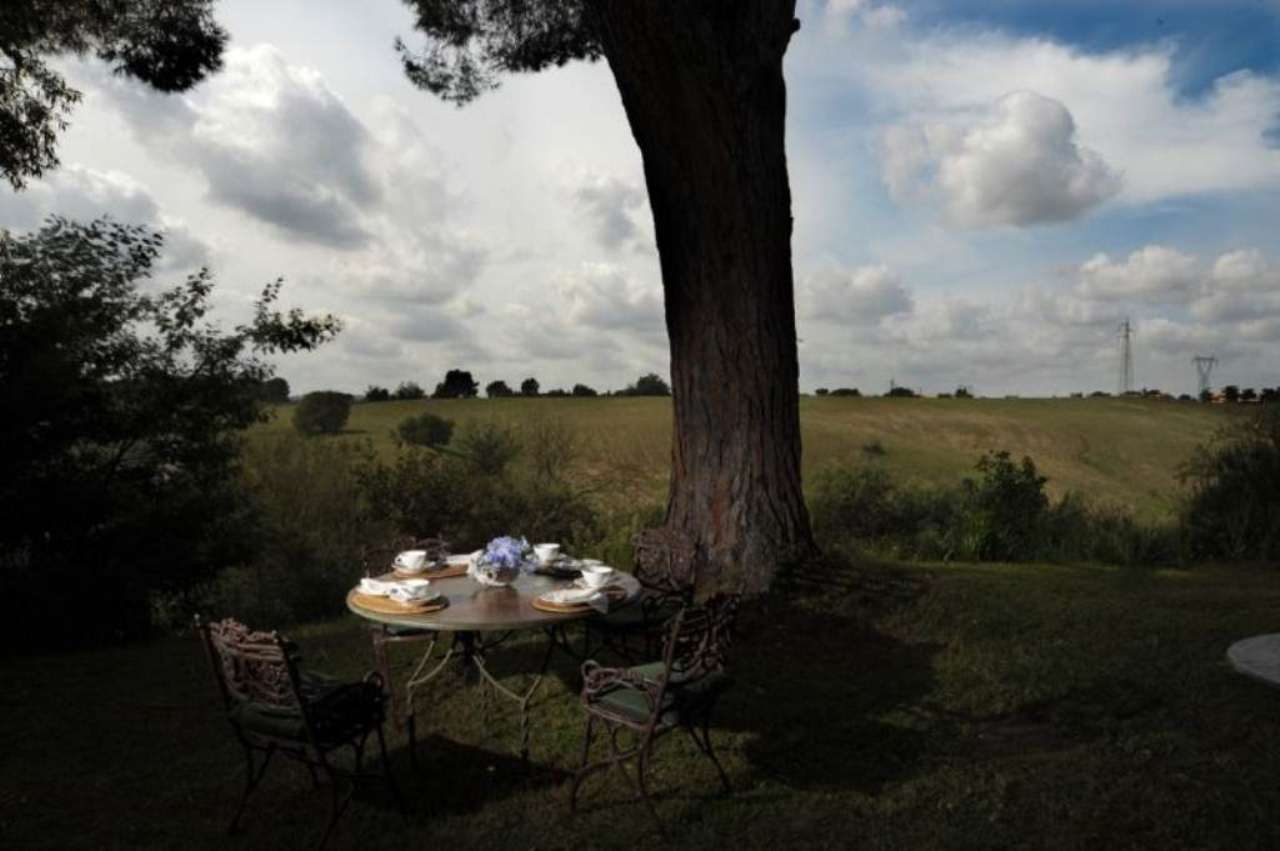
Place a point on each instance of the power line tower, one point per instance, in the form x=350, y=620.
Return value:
x=1204, y=367
x=1126, y=357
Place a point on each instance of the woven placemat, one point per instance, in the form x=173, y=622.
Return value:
x=387, y=606
x=614, y=595
x=443, y=573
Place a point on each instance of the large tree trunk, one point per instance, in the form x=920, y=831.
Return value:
x=702, y=85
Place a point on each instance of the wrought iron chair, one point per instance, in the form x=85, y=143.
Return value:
x=274, y=707
x=664, y=565
x=376, y=560
x=652, y=699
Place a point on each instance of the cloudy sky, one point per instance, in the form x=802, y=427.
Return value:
x=983, y=191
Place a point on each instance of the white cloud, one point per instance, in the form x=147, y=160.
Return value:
x=1123, y=104
x=616, y=210
x=1021, y=165
x=1155, y=274
x=863, y=295
x=83, y=194
x=602, y=296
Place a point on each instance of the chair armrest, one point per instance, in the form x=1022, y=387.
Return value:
x=597, y=680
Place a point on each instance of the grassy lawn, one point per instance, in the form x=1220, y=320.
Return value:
x=984, y=706
x=1123, y=451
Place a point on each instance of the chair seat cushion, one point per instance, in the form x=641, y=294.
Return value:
x=633, y=705
x=336, y=708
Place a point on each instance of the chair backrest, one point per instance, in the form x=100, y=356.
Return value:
x=665, y=562
x=376, y=559
x=699, y=640
x=252, y=667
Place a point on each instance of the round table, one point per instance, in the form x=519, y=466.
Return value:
x=474, y=609
x=1257, y=657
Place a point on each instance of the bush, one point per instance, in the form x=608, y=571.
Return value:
x=498, y=390
x=322, y=412
x=457, y=384
x=1002, y=516
x=489, y=447
x=846, y=391
x=1232, y=509
x=307, y=497
x=650, y=384
x=583, y=390
x=425, y=430
x=377, y=394
x=409, y=390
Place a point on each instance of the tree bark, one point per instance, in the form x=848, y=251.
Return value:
x=702, y=85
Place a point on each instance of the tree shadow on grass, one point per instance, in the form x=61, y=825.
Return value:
x=827, y=700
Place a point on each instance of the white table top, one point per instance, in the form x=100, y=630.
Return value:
x=1257, y=657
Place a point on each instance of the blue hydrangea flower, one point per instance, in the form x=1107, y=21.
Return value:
x=506, y=552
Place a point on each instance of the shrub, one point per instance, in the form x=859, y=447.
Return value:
x=498, y=389
x=322, y=412
x=846, y=391
x=377, y=394
x=1232, y=509
x=489, y=447
x=409, y=390
x=584, y=390
x=425, y=430
x=650, y=384
x=1005, y=508
x=457, y=384
x=821, y=391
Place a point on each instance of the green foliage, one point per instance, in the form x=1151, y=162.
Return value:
x=1004, y=515
x=901, y=393
x=409, y=390
x=582, y=390
x=489, y=447
x=457, y=384
x=650, y=384
x=311, y=523
x=468, y=44
x=275, y=391
x=846, y=391
x=529, y=387
x=322, y=412
x=377, y=394
x=498, y=390
x=821, y=391
x=170, y=45
x=1232, y=509
x=123, y=415
x=425, y=430
x=1006, y=505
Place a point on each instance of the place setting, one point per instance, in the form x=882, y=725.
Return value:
x=596, y=587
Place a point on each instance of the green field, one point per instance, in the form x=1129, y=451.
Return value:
x=1119, y=451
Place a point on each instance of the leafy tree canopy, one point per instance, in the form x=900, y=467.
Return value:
x=322, y=412
x=121, y=412
x=469, y=44
x=374, y=393
x=457, y=384
x=409, y=390
x=529, y=387
x=584, y=390
x=498, y=389
x=169, y=44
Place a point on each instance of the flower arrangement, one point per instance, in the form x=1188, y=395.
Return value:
x=500, y=562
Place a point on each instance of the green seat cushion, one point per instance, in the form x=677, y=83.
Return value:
x=336, y=708
x=634, y=705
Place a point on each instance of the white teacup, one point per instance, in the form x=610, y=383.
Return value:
x=411, y=561
x=546, y=553
x=596, y=575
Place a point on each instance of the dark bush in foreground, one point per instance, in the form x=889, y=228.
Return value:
x=322, y=412
x=425, y=430
x=1233, y=506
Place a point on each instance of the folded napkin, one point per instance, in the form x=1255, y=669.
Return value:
x=593, y=597
x=402, y=591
